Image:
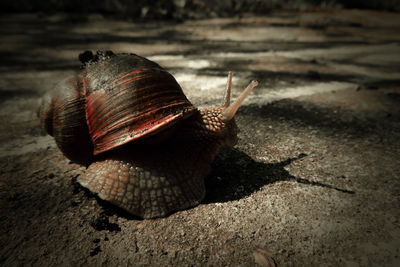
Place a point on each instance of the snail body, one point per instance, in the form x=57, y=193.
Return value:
x=146, y=147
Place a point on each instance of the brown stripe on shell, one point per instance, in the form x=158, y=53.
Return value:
x=141, y=104
x=133, y=105
x=114, y=92
x=125, y=133
x=128, y=97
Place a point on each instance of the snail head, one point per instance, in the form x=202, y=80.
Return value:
x=220, y=120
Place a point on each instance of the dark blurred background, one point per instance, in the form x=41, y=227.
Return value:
x=186, y=9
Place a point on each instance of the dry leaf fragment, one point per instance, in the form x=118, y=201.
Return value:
x=263, y=258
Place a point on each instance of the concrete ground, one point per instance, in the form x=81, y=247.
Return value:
x=313, y=181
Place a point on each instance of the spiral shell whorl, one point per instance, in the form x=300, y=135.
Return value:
x=62, y=115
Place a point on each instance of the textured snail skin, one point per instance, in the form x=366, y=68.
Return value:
x=154, y=181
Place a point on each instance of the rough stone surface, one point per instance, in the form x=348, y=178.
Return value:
x=314, y=179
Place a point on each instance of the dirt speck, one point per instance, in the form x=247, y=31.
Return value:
x=102, y=223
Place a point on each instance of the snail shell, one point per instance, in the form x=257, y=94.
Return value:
x=147, y=148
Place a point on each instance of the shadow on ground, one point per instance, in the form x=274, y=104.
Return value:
x=236, y=175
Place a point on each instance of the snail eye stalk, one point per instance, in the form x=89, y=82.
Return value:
x=231, y=110
x=227, y=96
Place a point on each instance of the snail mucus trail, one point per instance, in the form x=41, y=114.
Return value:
x=146, y=147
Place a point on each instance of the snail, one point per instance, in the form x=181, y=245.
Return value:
x=147, y=149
